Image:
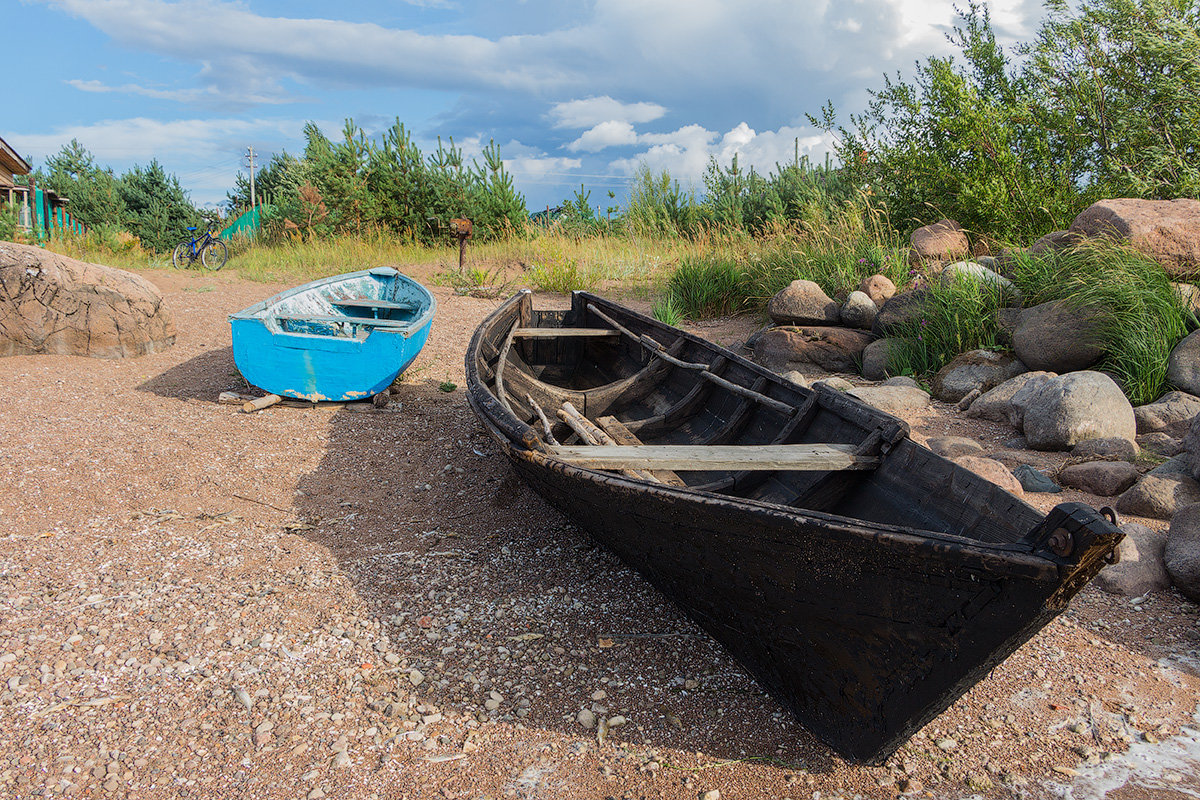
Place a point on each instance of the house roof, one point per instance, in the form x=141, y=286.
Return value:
x=11, y=162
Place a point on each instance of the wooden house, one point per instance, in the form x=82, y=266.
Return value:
x=11, y=165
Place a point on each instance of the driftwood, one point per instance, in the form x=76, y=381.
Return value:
x=591, y=434
x=259, y=403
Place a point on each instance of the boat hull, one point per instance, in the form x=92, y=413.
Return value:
x=301, y=344
x=866, y=630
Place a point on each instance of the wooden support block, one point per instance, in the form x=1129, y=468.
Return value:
x=593, y=435
x=683, y=457
x=622, y=435
x=259, y=403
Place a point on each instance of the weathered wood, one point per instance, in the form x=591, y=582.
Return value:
x=362, y=302
x=241, y=398
x=594, y=436
x=501, y=394
x=622, y=435
x=545, y=422
x=259, y=403
x=684, y=457
x=563, y=333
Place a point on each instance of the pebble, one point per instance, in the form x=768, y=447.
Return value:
x=711, y=794
x=416, y=677
x=586, y=718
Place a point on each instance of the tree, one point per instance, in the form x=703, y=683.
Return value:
x=157, y=209
x=92, y=190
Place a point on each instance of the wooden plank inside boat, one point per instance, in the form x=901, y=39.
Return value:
x=683, y=457
x=623, y=436
x=562, y=333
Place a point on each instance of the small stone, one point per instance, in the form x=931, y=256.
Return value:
x=342, y=759
x=315, y=794
x=243, y=697
x=946, y=744
x=617, y=721
x=416, y=677
x=711, y=794
x=599, y=695
x=586, y=718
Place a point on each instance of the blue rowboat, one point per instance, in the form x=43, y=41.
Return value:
x=340, y=338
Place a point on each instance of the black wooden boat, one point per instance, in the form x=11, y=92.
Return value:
x=865, y=581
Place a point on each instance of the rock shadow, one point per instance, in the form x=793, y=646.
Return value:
x=484, y=588
x=202, y=377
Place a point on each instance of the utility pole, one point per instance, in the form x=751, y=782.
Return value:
x=250, y=163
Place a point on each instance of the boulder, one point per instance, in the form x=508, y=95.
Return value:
x=976, y=369
x=1161, y=443
x=901, y=401
x=1112, y=448
x=1074, y=407
x=1102, y=478
x=878, y=287
x=1053, y=242
x=1166, y=230
x=803, y=303
x=1159, y=496
x=875, y=360
x=796, y=377
x=993, y=471
x=1014, y=458
x=904, y=308
x=50, y=303
x=1182, y=552
x=974, y=271
x=859, y=311
x=902, y=380
x=997, y=404
x=954, y=446
x=944, y=240
x=1183, y=365
x=1057, y=337
x=1190, y=456
x=840, y=384
x=1008, y=319
x=1167, y=412
x=1034, y=480
x=1140, y=568
x=832, y=349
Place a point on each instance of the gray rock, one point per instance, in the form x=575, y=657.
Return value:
x=1110, y=448
x=789, y=347
x=1164, y=444
x=1140, y=568
x=1183, y=366
x=1182, y=553
x=1034, y=480
x=1057, y=338
x=997, y=404
x=976, y=369
x=993, y=471
x=902, y=380
x=973, y=271
x=754, y=337
x=796, y=377
x=1191, y=448
x=803, y=303
x=1102, y=478
x=840, y=384
x=1159, y=496
x=904, y=308
x=1167, y=412
x=1054, y=241
x=1179, y=465
x=944, y=240
x=859, y=311
x=1008, y=320
x=875, y=360
x=878, y=287
x=954, y=446
x=967, y=399
x=1014, y=458
x=901, y=401
x=1074, y=407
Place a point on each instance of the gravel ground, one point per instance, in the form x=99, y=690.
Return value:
x=196, y=602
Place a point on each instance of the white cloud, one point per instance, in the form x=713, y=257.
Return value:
x=607, y=134
x=686, y=153
x=206, y=95
x=597, y=110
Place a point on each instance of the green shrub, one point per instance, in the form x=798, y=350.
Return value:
x=708, y=287
x=666, y=310
x=957, y=317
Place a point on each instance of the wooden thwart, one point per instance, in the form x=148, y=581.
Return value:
x=623, y=436
x=564, y=333
x=684, y=457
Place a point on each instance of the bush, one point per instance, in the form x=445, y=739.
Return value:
x=958, y=316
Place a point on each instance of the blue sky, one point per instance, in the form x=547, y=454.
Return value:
x=572, y=90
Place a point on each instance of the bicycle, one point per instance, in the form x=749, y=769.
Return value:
x=209, y=250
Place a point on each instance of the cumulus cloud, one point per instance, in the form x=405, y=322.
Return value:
x=594, y=111
x=607, y=134
x=686, y=152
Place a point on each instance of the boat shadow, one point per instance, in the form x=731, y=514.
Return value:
x=484, y=587
x=202, y=377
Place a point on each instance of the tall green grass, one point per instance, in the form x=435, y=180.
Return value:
x=957, y=317
x=1141, y=315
